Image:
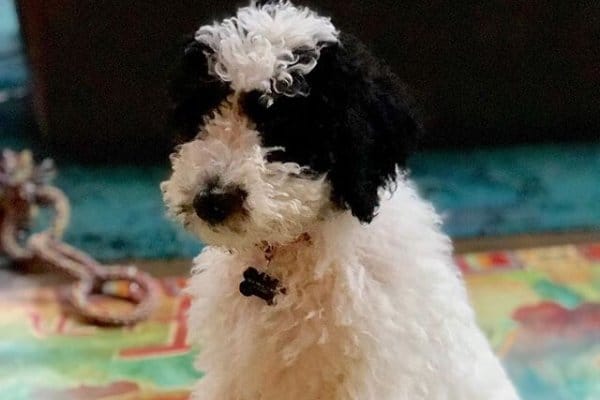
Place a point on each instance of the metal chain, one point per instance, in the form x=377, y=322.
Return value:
x=24, y=187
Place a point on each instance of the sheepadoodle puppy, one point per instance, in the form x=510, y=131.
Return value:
x=325, y=275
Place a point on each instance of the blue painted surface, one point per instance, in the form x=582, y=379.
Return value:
x=514, y=189
x=13, y=73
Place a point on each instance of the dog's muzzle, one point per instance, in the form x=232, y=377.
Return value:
x=215, y=205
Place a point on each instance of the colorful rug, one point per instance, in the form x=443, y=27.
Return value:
x=539, y=307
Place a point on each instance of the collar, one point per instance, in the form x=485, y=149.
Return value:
x=260, y=284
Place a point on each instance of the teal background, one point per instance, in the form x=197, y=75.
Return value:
x=118, y=212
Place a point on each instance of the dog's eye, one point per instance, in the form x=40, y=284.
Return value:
x=276, y=156
x=305, y=55
x=254, y=105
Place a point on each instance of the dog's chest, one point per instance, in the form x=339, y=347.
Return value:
x=288, y=283
x=304, y=327
x=304, y=309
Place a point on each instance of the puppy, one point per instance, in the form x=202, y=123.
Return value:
x=325, y=275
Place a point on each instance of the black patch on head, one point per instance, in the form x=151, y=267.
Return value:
x=356, y=124
x=193, y=90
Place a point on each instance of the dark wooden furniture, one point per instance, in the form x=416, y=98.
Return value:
x=485, y=72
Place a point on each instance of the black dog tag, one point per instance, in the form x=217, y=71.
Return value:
x=259, y=284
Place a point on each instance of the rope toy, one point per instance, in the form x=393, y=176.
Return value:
x=24, y=188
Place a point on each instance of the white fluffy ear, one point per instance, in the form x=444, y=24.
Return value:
x=257, y=49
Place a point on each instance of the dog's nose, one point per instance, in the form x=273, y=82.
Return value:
x=215, y=205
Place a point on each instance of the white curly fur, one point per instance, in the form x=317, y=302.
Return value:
x=255, y=49
x=371, y=312
x=280, y=205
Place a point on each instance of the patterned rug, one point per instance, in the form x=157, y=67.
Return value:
x=539, y=307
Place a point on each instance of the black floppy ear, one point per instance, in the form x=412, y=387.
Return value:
x=374, y=128
x=193, y=91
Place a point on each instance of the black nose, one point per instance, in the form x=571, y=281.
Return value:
x=216, y=204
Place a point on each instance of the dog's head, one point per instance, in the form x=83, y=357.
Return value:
x=292, y=122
